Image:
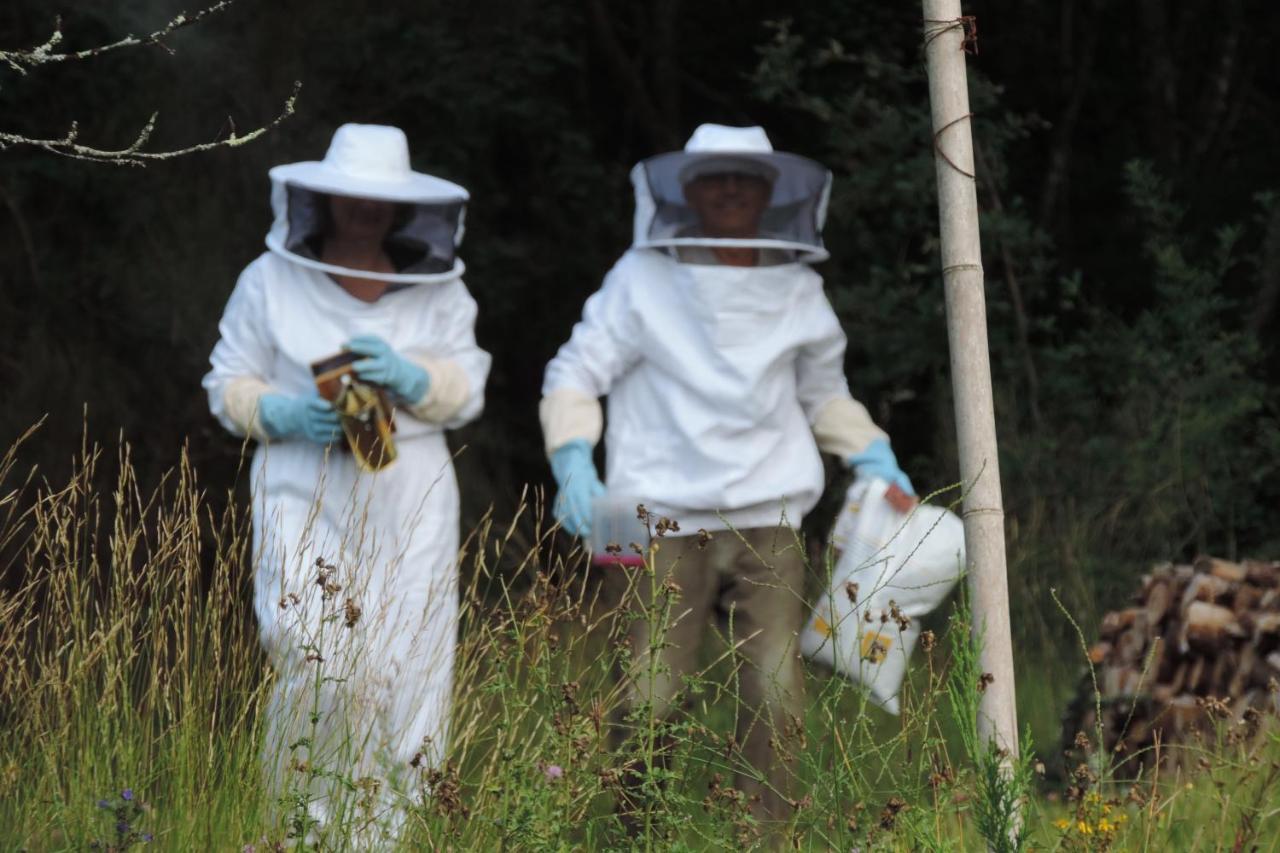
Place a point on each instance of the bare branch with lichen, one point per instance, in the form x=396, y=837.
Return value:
x=132, y=155
x=22, y=61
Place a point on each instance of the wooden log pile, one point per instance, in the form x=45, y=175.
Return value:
x=1197, y=651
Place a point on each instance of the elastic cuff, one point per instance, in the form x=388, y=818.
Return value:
x=448, y=390
x=843, y=428
x=569, y=414
x=240, y=399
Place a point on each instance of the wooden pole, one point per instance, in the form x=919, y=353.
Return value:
x=945, y=32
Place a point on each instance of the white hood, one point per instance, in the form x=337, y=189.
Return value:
x=370, y=161
x=797, y=208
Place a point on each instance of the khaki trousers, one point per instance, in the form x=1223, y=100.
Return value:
x=749, y=581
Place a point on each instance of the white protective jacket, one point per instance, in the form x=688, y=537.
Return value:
x=718, y=380
x=723, y=382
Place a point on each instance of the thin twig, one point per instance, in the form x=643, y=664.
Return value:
x=132, y=155
x=45, y=54
x=1021, y=324
x=24, y=235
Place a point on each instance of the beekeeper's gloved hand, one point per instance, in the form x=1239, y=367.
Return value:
x=579, y=485
x=308, y=417
x=878, y=461
x=382, y=365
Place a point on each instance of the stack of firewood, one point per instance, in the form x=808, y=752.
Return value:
x=1198, y=651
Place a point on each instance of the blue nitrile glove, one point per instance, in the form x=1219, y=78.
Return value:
x=878, y=461
x=579, y=484
x=307, y=417
x=382, y=365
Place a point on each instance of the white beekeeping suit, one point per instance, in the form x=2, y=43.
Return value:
x=723, y=364
x=719, y=378
x=377, y=672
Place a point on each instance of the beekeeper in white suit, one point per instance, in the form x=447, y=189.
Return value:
x=361, y=256
x=723, y=364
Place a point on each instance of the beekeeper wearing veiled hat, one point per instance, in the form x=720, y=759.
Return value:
x=361, y=257
x=723, y=363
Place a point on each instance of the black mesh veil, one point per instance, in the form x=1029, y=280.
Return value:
x=793, y=220
x=421, y=241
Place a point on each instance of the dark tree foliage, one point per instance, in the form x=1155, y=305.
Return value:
x=1126, y=166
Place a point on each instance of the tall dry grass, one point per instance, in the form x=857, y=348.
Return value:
x=132, y=694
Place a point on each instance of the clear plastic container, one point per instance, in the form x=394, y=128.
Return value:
x=618, y=536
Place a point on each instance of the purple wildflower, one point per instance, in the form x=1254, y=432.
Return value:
x=122, y=827
x=104, y=804
x=147, y=837
x=553, y=772
x=127, y=795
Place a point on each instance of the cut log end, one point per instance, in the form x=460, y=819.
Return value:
x=1221, y=659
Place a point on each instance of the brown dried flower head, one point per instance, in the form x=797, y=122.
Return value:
x=325, y=579
x=666, y=525
x=351, y=613
x=889, y=814
x=902, y=619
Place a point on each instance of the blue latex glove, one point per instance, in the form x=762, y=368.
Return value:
x=309, y=418
x=878, y=461
x=382, y=365
x=579, y=484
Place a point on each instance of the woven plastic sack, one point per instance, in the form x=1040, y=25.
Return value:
x=892, y=568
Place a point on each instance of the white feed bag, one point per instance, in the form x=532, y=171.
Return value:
x=892, y=568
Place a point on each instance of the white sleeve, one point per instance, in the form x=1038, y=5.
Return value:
x=241, y=360
x=458, y=367
x=603, y=344
x=841, y=425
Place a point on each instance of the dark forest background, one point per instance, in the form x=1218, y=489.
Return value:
x=1128, y=178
